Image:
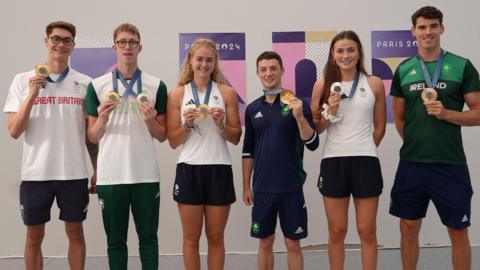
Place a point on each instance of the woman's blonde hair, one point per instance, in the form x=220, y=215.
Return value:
x=186, y=74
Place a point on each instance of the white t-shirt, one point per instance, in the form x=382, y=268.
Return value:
x=126, y=150
x=54, y=142
x=209, y=147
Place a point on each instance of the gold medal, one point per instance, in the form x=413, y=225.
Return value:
x=42, y=70
x=143, y=97
x=429, y=94
x=338, y=88
x=203, y=109
x=286, y=95
x=113, y=96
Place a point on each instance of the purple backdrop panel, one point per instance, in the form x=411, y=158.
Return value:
x=93, y=62
x=288, y=37
x=306, y=75
x=291, y=54
x=231, y=46
x=397, y=43
x=381, y=69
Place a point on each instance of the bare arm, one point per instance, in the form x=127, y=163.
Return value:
x=17, y=121
x=232, y=131
x=176, y=133
x=306, y=131
x=320, y=123
x=470, y=117
x=97, y=124
x=93, y=153
x=398, y=105
x=247, y=169
x=379, y=110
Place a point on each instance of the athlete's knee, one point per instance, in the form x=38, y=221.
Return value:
x=214, y=238
x=367, y=234
x=458, y=235
x=293, y=246
x=410, y=228
x=337, y=232
x=35, y=234
x=74, y=231
x=191, y=240
x=266, y=243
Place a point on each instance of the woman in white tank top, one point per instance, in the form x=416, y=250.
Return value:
x=353, y=113
x=202, y=115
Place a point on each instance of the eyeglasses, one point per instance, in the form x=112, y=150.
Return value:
x=123, y=43
x=67, y=41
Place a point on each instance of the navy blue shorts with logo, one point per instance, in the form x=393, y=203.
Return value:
x=36, y=199
x=448, y=186
x=360, y=176
x=288, y=207
x=204, y=184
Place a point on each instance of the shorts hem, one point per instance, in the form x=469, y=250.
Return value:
x=407, y=217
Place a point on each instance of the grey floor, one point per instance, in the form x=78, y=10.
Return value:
x=389, y=259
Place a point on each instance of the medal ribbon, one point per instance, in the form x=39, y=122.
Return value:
x=128, y=85
x=438, y=69
x=354, y=86
x=62, y=76
x=272, y=91
x=207, y=93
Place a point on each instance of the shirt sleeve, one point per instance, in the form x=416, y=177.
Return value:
x=161, y=98
x=249, y=138
x=92, y=101
x=470, y=81
x=396, y=88
x=15, y=96
x=313, y=142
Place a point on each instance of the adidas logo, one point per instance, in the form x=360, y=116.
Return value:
x=86, y=209
x=190, y=102
x=299, y=230
x=101, y=203
x=465, y=218
x=258, y=115
x=413, y=72
x=176, y=190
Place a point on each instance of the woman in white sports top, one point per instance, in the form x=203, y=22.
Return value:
x=202, y=115
x=350, y=106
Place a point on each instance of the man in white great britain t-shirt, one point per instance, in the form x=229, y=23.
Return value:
x=48, y=106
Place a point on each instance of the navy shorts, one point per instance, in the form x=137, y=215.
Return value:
x=290, y=209
x=448, y=186
x=36, y=199
x=204, y=184
x=360, y=176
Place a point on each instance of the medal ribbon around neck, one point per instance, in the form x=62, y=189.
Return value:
x=59, y=79
x=128, y=85
x=354, y=86
x=196, y=98
x=438, y=69
x=271, y=92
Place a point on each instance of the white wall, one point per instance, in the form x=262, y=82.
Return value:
x=160, y=22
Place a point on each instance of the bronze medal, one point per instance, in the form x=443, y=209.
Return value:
x=143, y=97
x=429, y=94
